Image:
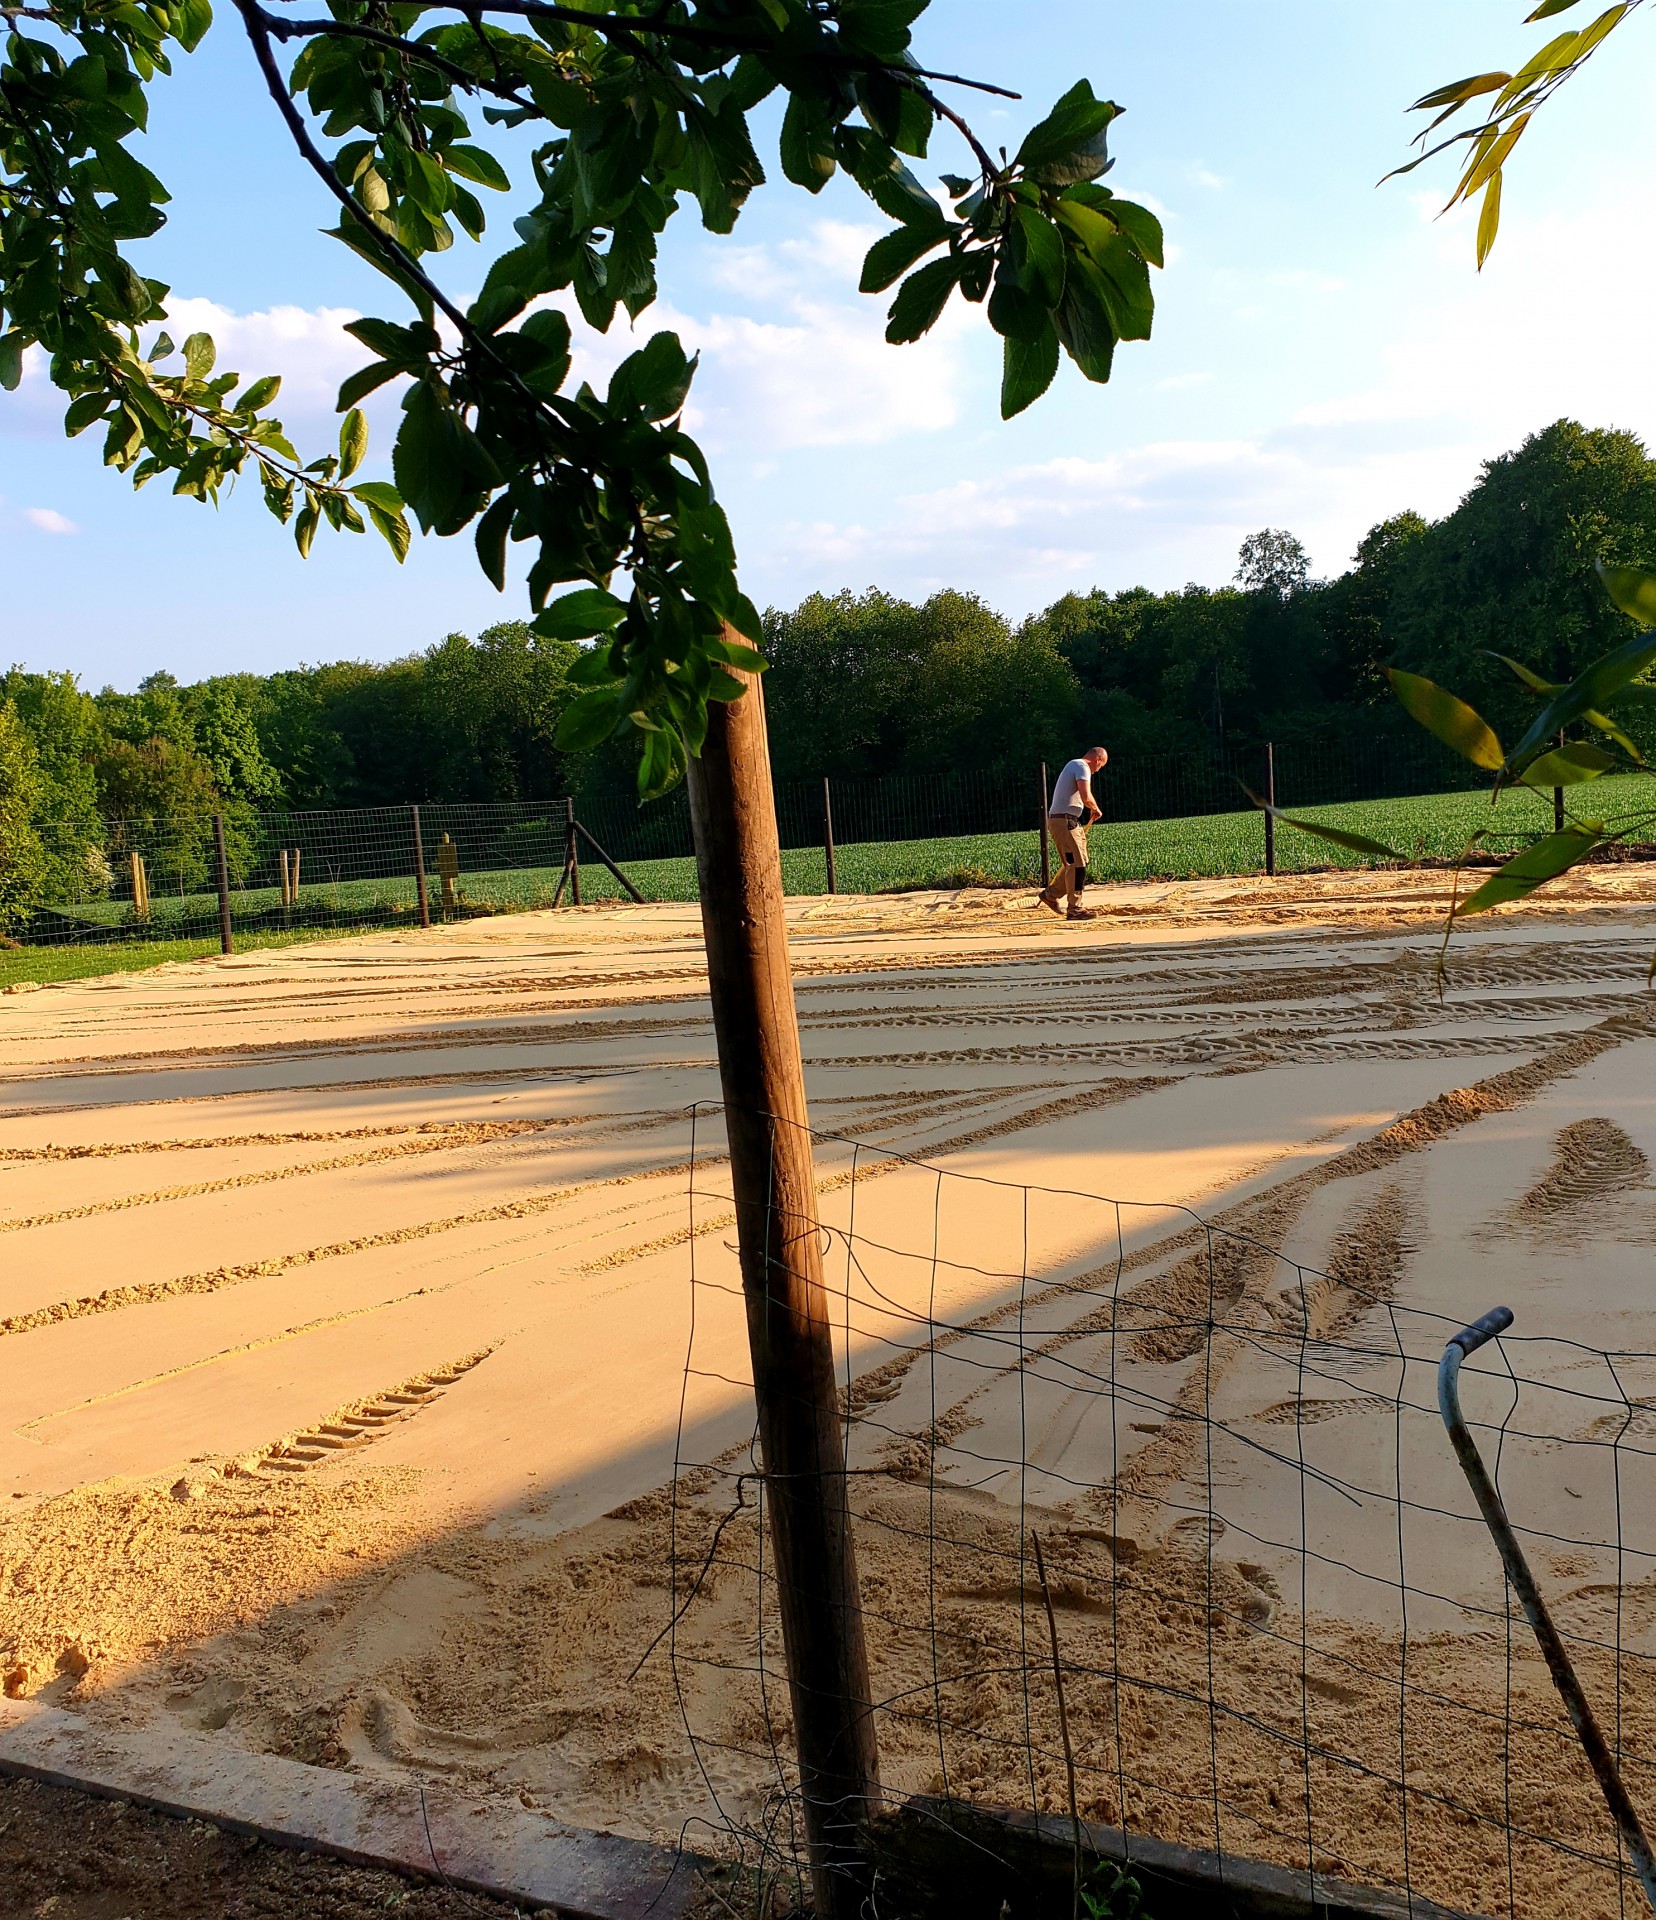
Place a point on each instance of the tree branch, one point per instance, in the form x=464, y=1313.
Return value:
x=627, y=27
x=411, y=49
x=258, y=32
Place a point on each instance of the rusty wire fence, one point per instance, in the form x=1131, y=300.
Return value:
x=1146, y=1506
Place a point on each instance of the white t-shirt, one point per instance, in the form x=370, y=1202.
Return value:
x=1069, y=794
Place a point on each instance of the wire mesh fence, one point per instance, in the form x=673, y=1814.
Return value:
x=1146, y=1506
x=293, y=875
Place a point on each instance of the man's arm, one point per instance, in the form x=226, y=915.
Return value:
x=1084, y=789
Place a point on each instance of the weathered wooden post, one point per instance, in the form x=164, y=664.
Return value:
x=222, y=874
x=419, y=868
x=828, y=831
x=448, y=874
x=1270, y=801
x=282, y=868
x=140, y=887
x=739, y=866
x=572, y=858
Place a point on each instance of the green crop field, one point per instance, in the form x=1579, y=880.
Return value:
x=1432, y=826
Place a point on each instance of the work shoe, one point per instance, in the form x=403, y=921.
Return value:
x=1047, y=900
x=1081, y=913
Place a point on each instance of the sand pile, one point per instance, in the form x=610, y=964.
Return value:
x=346, y=1296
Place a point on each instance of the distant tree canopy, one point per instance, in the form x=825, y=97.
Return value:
x=868, y=684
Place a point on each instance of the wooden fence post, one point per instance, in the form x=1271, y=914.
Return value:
x=1270, y=801
x=419, y=869
x=828, y=831
x=226, y=944
x=1046, y=841
x=739, y=866
x=572, y=857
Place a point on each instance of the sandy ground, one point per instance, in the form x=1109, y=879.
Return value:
x=347, y=1293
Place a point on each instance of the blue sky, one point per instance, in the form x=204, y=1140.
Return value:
x=1324, y=352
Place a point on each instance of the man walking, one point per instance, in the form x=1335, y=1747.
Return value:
x=1072, y=811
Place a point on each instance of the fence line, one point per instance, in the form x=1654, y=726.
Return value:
x=1284, y=1632
x=149, y=879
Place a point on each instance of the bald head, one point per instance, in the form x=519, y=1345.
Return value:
x=1096, y=757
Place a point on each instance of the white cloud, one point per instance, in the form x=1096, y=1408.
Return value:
x=307, y=346
x=804, y=367
x=48, y=520
x=1165, y=511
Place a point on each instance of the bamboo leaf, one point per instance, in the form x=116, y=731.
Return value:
x=1455, y=723
x=1568, y=766
x=1532, y=868
x=1336, y=836
x=1633, y=590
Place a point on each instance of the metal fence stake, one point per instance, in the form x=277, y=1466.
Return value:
x=828, y=832
x=1270, y=801
x=419, y=868
x=1046, y=842
x=221, y=865
x=1558, y=797
x=1493, y=1509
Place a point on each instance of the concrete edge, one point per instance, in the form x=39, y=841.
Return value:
x=1040, y=1847
x=432, y=1833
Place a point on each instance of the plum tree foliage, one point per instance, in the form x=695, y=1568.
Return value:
x=635, y=109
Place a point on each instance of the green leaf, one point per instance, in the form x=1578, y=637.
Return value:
x=807, y=146
x=1027, y=370
x=1547, y=9
x=353, y=443
x=1591, y=691
x=656, y=378
x=1068, y=145
x=1489, y=218
x=304, y=528
x=1633, y=590
x=1532, y=868
x=580, y=615
x=490, y=540
x=920, y=299
x=1460, y=91
x=1335, y=836
x=1528, y=675
x=894, y=254
x=473, y=163
x=1140, y=226
x=11, y=360
x=588, y=720
x=1125, y=280
x=1041, y=270
x=393, y=527
x=1452, y=720
x=1083, y=320
x=364, y=381
x=260, y=394
x=378, y=493
x=1568, y=766
x=199, y=355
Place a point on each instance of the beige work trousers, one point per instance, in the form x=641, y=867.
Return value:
x=1070, y=838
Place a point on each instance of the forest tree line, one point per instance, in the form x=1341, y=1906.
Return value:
x=870, y=684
